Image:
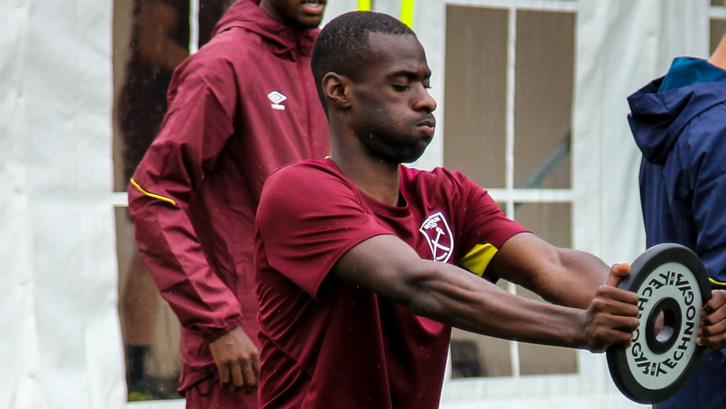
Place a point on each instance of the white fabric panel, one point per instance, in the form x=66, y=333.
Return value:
x=620, y=47
x=62, y=337
x=21, y=386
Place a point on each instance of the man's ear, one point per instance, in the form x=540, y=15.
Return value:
x=335, y=89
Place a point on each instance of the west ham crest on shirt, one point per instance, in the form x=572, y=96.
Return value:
x=438, y=234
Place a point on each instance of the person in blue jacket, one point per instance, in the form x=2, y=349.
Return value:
x=679, y=124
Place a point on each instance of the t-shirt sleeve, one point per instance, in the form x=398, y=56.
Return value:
x=485, y=227
x=308, y=218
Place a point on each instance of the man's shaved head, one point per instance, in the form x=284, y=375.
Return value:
x=342, y=45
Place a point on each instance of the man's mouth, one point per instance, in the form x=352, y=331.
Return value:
x=428, y=122
x=428, y=126
x=313, y=6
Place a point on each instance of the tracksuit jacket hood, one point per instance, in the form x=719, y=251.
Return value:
x=679, y=123
x=248, y=15
x=659, y=116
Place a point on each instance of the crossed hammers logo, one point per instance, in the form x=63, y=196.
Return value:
x=440, y=242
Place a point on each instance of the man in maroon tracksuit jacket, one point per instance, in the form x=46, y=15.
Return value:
x=242, y=106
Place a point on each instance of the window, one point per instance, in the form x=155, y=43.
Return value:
x=509, y=75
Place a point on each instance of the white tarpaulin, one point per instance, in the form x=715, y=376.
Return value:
x=59, y=333
x=622, y=45
x=58, y=328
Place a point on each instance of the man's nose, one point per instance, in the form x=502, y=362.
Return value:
x=424, y=100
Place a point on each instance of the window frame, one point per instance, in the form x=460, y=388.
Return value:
x=510, y=195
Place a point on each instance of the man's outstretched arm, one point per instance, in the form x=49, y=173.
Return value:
x=443, y=292
x=561, y=276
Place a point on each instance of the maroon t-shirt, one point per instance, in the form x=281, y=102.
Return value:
x=330, y=344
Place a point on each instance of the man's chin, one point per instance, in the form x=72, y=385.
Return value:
x=412, y=156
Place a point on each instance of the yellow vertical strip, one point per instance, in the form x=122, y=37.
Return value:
x=407, y=12
x=364, y=5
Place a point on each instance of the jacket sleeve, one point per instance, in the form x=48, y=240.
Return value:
x=197, y=126
x=707, y=174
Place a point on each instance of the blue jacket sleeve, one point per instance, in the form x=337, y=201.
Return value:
x=707, y=175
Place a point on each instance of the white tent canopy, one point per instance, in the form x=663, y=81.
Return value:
x=59, y=331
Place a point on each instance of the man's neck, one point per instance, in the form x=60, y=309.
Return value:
x=376, y=178
x=718, y=58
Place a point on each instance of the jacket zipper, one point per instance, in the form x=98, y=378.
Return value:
x=306, y=94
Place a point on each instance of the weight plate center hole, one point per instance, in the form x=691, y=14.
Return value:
x=664, y=331
x=663, y=325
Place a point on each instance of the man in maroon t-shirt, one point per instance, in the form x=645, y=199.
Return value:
x=363, y=265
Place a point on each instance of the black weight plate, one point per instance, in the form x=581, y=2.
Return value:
x=669, y=278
